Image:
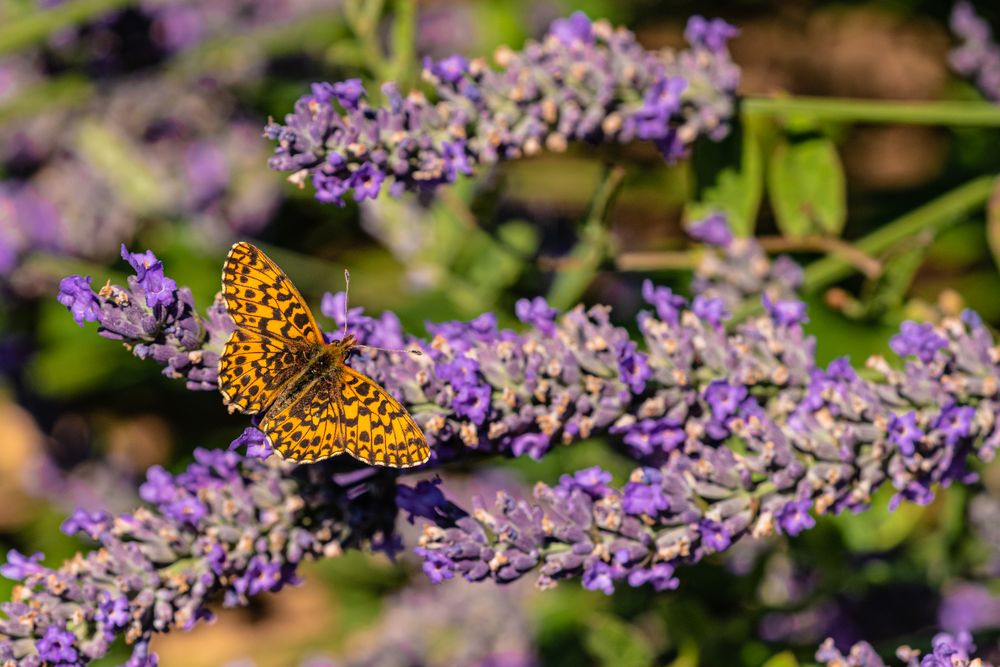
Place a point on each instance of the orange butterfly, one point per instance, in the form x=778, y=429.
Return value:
x=313, y=404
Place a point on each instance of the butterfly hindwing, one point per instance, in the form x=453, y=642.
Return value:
x=306, y=427
x=254, y=369
x=376, y=428
x=261, y=299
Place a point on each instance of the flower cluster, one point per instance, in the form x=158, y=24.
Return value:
x=946, y=651
x=455, y=625
x=739, y=274
x=584, y=81
x=741, y=434
x=978, y=56
x=737, y=431
x=227, y=526
x=162, y=139
x=154, y=319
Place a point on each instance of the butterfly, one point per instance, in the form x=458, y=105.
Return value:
x=277, y=364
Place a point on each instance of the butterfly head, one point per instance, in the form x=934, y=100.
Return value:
x=344, y=346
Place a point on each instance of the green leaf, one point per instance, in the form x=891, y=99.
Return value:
x=732, y=185
x=135, y=180
x=611, y=641
x=993, y=223
x=783, y=659
x=879, y=529
x=35, y=27
x=806, y=185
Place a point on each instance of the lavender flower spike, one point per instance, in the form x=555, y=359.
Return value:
x=226, y=527
x=154, y=319
x=584, y=81
x=946, y=651
x=810, y=440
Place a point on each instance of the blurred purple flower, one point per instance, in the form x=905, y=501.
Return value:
x=978, y=56
x=967, y=607
x=712, y=230
x=919, y=340
x=576, y=28
x=946, y=651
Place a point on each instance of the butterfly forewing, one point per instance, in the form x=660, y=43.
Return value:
x=306, y=427
x=260, y=298
x=255, y=369
x=276, y=363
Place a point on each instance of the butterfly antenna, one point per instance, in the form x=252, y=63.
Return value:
x=347, y=289
x=414, y=351
x=347, y=292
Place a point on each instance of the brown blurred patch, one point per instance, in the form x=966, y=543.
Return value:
x=270, y=633
x=893, y=156
x=136, y=443
x=21, y=447
x=853, y=52
x=844, y=52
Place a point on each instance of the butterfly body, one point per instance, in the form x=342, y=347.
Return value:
x=277, y=364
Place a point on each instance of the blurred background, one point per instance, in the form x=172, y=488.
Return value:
x=139, y=122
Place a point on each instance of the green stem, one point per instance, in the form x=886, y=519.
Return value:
x=934, y=216
x=980, y=114
x=47, y=95
x=403, y=36
x=36, y=26
x=592, y=248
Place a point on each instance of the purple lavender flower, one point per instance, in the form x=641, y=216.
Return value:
x=450, y=70
x=577, y=28
x=978, y=56
x=919, y=340
x=537, y=313
x=712, y=34
x=668, y=305
x=710, y=310
x=712, y=230
x=904, y=432
x=639, y=499
x=955, y=423
x=599, y=576
x=255, y=442
x=741, y=275
x=160, y=290
x=76, y=294
x=794, y=517
x=785, y=313
x=610, y=90
x=57, y=646
x=366, y=181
